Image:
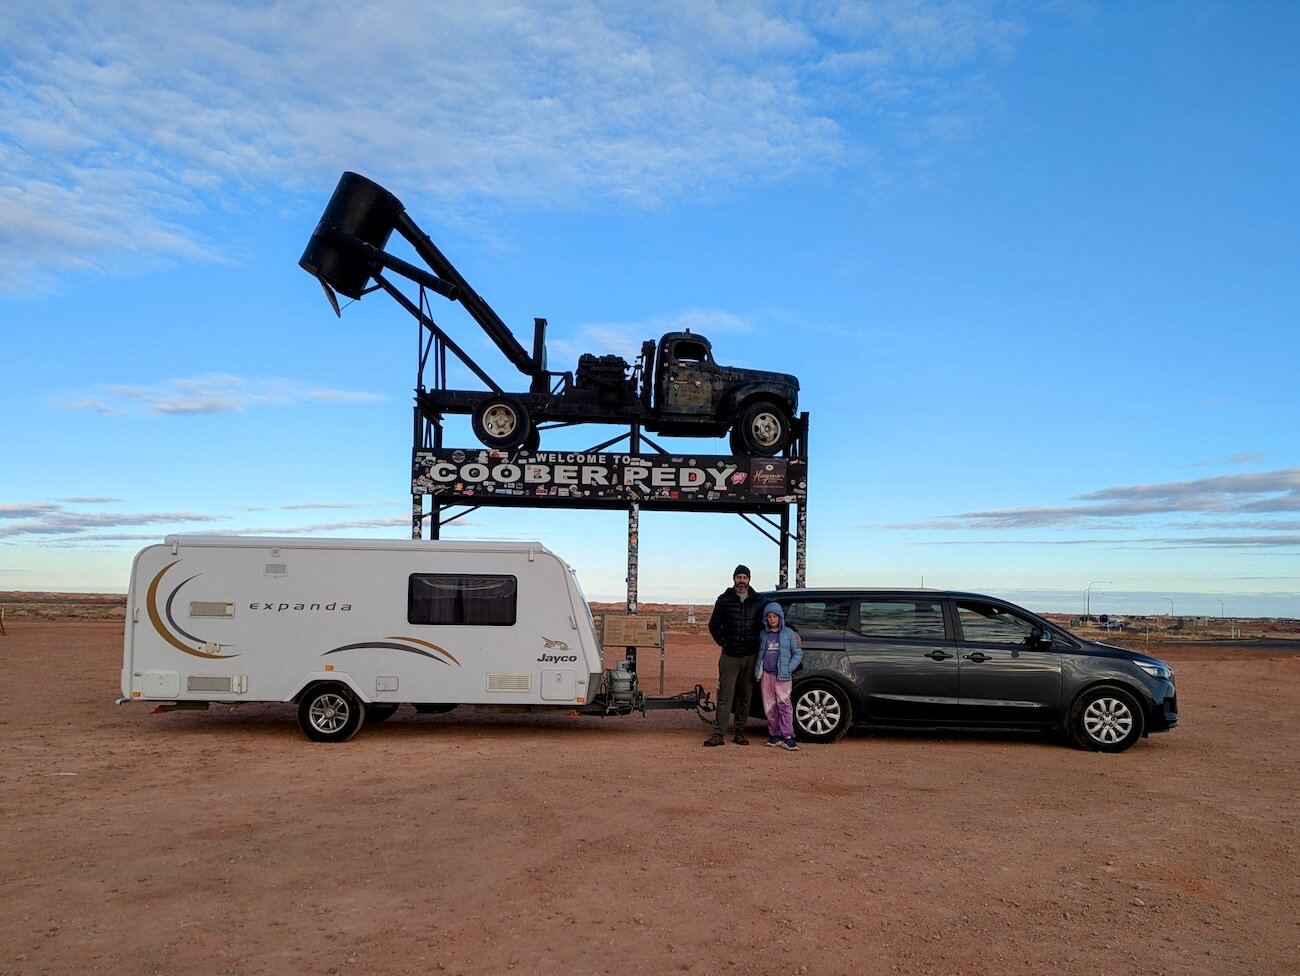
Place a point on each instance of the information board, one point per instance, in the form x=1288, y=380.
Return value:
x=632, y=630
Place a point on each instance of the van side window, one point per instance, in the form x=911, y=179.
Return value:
x=446, y=598
x=911, y=619
x=818, y=615
x=991, y=623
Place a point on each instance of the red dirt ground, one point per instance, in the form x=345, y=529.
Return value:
x=225, y=842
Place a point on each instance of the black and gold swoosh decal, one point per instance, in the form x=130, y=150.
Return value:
x=165, y=628
x=434, y=652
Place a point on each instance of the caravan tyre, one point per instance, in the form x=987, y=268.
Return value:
x=330, y=713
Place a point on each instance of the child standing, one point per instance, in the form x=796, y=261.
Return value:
x=779, y=654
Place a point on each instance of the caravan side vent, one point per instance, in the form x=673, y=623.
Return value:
x=510, y=682
x=212, y=684
x=211, y=608
x=277, y=569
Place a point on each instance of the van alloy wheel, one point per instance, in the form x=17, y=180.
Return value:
x=822, y=712
x=1106, y=720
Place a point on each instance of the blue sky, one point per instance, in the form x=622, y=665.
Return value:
x=1035, y=265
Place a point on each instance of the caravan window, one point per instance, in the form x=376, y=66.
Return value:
x=445, y=598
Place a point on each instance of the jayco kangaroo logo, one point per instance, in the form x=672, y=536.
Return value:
x=555, y=658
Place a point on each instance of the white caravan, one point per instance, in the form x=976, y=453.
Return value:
x=349, y=629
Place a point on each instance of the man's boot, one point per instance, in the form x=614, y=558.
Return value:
x=739, y=738
x=715, y=740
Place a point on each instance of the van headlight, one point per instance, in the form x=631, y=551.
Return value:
x=1156, y=670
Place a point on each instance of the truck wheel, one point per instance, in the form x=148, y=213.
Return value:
x=764, y=429
x=501, y=422
x=330, y=713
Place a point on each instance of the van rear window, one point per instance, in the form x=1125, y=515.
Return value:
x=462, y=599
x=910, y=619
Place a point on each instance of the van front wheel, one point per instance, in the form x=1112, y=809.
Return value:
x=1106, y=719
x=330, y=713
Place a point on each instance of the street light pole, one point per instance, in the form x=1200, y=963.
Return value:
x=1220, y=609
x=1171, y=607
x=1087, y=605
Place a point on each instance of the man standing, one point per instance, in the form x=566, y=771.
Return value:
x=735, y=625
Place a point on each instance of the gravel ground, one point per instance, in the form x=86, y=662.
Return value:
x=225, y=842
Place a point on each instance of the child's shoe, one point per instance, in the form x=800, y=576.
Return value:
x=791, y=744
x=773, y=740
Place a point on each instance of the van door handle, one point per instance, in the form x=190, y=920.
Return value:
x=939, y=655
x=978, y=657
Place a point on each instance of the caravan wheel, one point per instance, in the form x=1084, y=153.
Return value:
x=330, y=713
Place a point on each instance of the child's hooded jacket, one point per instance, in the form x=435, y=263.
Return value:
x=790, y=653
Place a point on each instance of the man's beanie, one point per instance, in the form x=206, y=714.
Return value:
x=742, y=568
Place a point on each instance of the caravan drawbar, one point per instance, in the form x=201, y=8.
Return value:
x=350, y=629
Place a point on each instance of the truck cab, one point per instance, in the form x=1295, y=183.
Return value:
x=693, y=394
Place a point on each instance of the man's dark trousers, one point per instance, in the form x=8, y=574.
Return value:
x=735, y=684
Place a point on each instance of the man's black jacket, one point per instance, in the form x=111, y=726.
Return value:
x=735, y=625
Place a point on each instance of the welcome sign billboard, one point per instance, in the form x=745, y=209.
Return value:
x=591, y=480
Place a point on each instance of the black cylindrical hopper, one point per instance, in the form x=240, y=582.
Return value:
x=360, y=209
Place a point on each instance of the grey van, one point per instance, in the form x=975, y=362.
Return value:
x=931, y=658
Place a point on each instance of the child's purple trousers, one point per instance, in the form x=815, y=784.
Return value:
x=776, y=705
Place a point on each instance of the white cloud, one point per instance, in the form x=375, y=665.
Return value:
x=122, y=124
x=55, y=521
x=35, y=510
x=214, y=393
x=1225, y=497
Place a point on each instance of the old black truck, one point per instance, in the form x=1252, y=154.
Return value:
x=674, y=388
